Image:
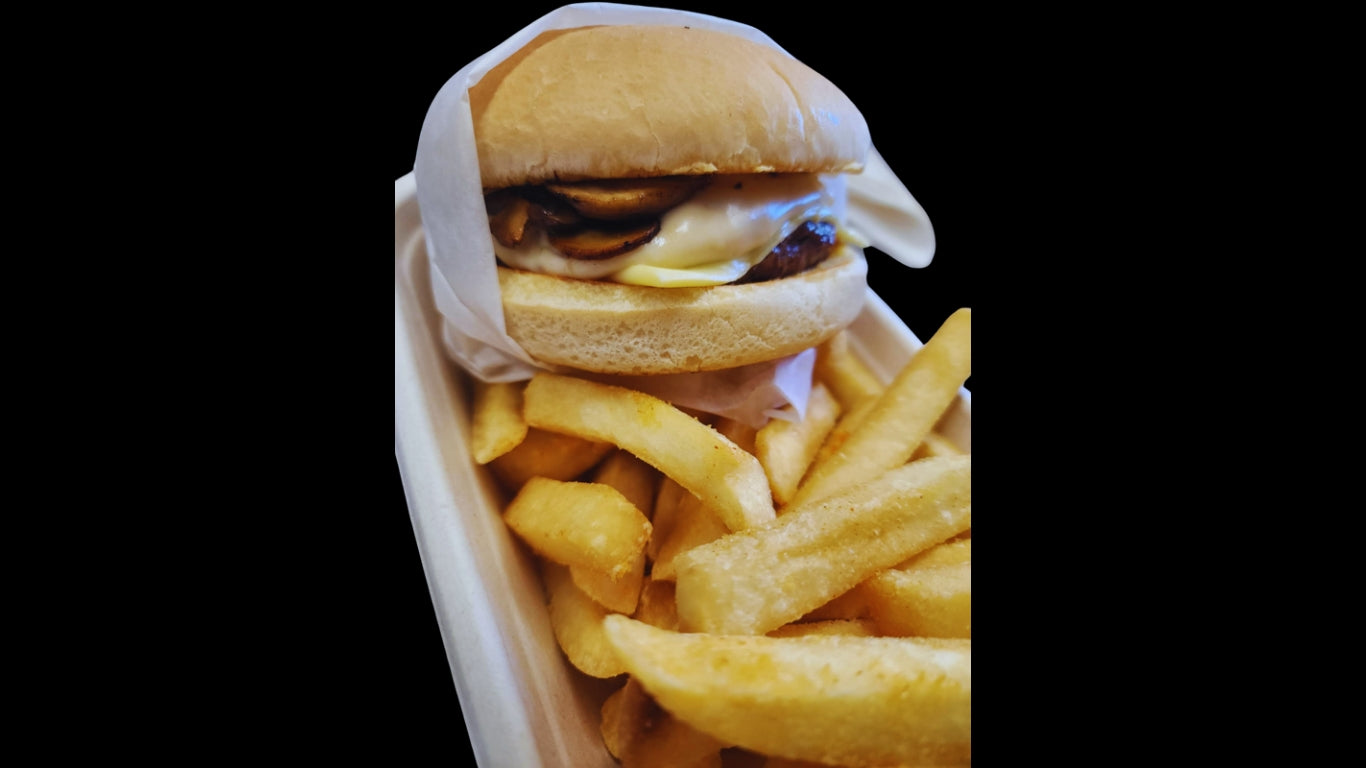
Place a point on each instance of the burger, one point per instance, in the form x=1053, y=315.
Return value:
x=668, y=199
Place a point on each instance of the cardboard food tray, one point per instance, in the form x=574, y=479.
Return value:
x=523, y=704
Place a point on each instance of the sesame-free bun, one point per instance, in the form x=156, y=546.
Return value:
x=638, y=101
x=606, y=327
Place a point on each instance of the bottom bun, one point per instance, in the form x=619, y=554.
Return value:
x=607, y=327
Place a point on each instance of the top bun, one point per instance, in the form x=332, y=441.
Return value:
x=640, y=101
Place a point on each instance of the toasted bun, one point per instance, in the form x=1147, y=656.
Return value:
x=630, y=329
x=636, y=101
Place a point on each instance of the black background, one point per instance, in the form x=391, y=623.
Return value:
x=963, y=113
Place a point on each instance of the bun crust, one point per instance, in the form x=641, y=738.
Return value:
x=638, y=101
x=606, y=327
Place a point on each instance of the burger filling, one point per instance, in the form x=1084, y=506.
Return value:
x=675, y=231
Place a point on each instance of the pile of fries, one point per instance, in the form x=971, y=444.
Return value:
x=797, y=594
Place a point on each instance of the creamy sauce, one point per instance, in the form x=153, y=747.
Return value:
x=713, y=238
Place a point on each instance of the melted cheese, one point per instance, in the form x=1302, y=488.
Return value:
x=713, y=238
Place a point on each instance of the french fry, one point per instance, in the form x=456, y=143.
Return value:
x=667, y=502
x=787, y=448
x=642, y=735
x=576, y=620
x=496, y=426
x=694, y=524
x=854, y=604
x=848, y=378
x=839, y=434
x=850, y=605
x=897, y=424
x=737, y=432
x=637, y=481
x=856, y=627
x=547, y=454
x=836, y=699
x=585, y=524
x=793, y=596
x=922, y=602
x=952, y=552
x=696, y=456
x=617, y=724
x=935, y=444
x=618, y=594
x=657, y=606
x=753, y=581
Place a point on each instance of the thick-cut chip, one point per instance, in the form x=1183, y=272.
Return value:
x=666, y=511
x=855, y=627
x=787, y=448
x=615, y=594
x=839, y=434
x=657, y=606
x=737, y=432
x=751, y=582
x=694, y=524
x=952, y=552
x=901, y=417
x=850, y=605
x=694, y=454
x=616, y=722
x=642, y=735
x=547, y=454
x=849, y=379
x=576, y=620
x=841, y=700
x=636, y=480
x=922, y=602
x=585, y=524
x=497, y=425
x=935, y=444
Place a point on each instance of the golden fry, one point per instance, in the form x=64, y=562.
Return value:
x=547, y=454
x=753, y=581
x=902, y=415
x=668, y=502
x=576, y=620
x=497, y=425
x=585, y=524
x=922, y=602
x=618, y=594
x=849, y=379
x=787, y=448
x=637, y=481
x=694, y=524
x=952, y=552
x=855, y=627
x=850, y=605
x=935, y=444
x=838, y=699
x=642, y=735
x=657, y=605
x=839, y=434
x=695, y=455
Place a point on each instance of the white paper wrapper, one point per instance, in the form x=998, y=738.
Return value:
x=464, y=275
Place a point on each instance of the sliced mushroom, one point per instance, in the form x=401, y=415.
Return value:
x=615, y=199
x=592, y=244
x=550, y=211
x=508, y=220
